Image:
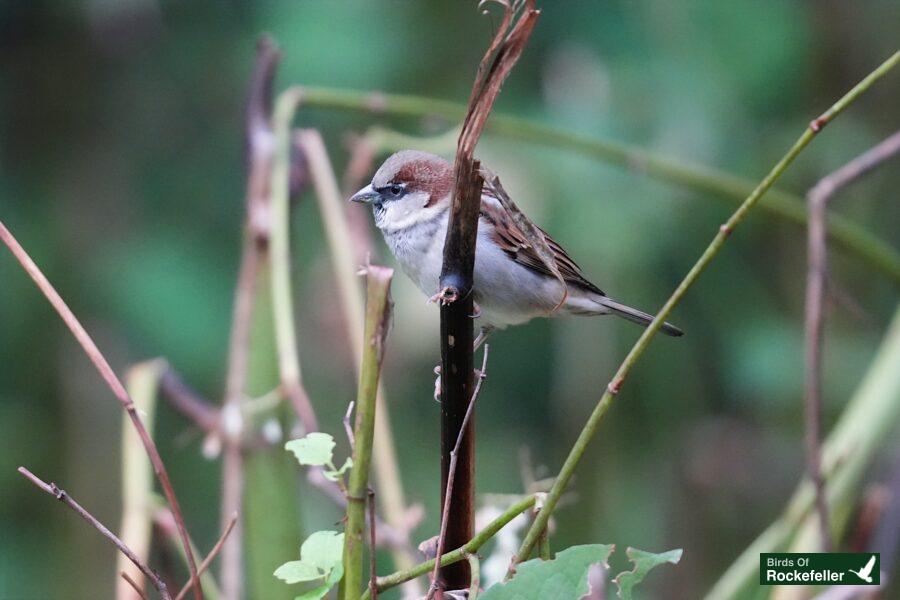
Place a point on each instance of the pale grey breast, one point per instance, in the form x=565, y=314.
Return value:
x=419, y=249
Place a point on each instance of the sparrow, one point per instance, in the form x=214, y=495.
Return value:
x=410, y=198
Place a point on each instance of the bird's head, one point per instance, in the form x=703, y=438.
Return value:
x=408, y=187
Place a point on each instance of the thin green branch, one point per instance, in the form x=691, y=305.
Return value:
x=843, y=232
x=164, y=522
x=544, y=551
x=392, y=502
x=593, y=422
x=232, y=523
x=477, y=541
x=378, y=309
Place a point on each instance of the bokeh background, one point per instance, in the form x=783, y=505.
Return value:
x=120, y=171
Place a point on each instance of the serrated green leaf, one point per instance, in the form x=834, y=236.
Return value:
x=297, y=571
x=335, y=475
x=319, y=592
x=323, y=549
x=563, y=577
x=643, y=563
x=314, y=450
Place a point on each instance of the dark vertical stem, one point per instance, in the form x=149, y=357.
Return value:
x=457, y=302
x=457, y=374
x=449, y=487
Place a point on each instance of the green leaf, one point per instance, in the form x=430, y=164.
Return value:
x=323, y=549
x=297, y=571
x=563, y=577
x=335, y=475
x=643, y=563
x=320, y=556
x=314, y=450
x=318, y=592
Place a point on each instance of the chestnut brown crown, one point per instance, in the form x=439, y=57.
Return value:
x=417, y=172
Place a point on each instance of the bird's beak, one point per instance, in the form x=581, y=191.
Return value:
x=367, y=195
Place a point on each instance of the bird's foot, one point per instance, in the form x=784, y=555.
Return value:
x=447, y=295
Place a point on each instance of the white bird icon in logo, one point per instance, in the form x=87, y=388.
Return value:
x=866, y=572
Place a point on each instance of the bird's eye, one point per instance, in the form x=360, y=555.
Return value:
x=396, y=190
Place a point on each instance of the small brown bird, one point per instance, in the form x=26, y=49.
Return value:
x=410, y=197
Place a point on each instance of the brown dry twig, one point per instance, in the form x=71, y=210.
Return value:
x=66, y=499
x=109, y=376
x=212, y=554
x=259, y=146
x=134, y=585
x=818, y=199
x=188, y=402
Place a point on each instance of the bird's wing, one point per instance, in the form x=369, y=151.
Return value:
x=868, y=568
x=510, y=238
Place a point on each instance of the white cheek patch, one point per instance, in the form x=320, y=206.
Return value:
x=406, y=212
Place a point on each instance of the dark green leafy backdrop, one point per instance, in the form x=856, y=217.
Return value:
x=120, y=171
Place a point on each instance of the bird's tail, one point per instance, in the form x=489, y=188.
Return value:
x=635, y=316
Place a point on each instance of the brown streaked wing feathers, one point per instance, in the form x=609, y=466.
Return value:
x=513, y=242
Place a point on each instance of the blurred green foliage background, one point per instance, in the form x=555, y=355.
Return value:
x=120, y=171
